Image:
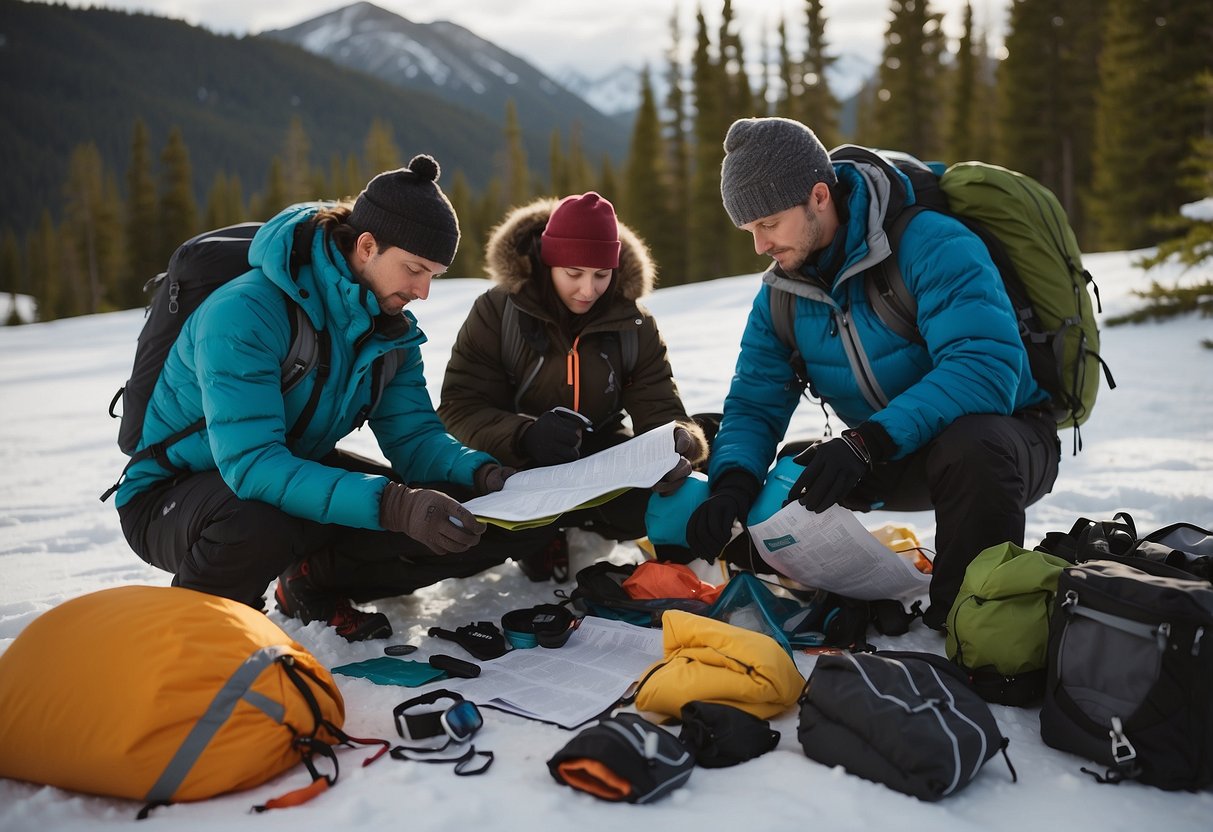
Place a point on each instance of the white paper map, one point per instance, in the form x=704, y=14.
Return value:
x=834, y=552
x=547, y=492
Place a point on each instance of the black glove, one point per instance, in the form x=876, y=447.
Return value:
x=555, y=437
x=834, y=468
x=491, y=477
x=711, y=525
x=429, y=517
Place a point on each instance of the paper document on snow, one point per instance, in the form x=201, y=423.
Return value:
x=834, y=552
x=569, y=685
x=544, y=493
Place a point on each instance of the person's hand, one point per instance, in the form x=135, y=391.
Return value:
x=674, y=478
x=555, y=437
x=711, y=525
x=684, y=446
x=429, y=517
x=684, y=443
x=491, y=477
x=832, y=470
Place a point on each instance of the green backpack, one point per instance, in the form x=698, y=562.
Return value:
x=998, y=627
x=1032, y=244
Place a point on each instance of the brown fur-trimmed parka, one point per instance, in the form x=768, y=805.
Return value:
x=583, y=371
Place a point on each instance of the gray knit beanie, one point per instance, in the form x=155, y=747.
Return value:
x=770, y=164
x=406, y=208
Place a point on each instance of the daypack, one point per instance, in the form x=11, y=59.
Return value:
x=1130, y=681
x=599, y=592
x=1032, y=244
x=164, y=694
x=998, y=627
x=197, y=268
x=907, y=720
x=516, y=340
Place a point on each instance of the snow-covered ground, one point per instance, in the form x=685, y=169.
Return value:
x=1148, y=449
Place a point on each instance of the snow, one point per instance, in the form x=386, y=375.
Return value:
x=1199, y=211
x=1148, y=449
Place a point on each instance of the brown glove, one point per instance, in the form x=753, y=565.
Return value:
x=491, y=477
x=684, y=445
x=429, y=517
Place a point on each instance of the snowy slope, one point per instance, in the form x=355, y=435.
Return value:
x=1148, y=450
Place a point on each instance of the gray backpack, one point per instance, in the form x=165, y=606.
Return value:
x=1130, y=672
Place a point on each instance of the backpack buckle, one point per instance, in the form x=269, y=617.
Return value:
x=1123, y=751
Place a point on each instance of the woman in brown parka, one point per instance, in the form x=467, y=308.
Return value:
x=573, y=275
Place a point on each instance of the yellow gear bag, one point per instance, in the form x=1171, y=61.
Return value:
x=162, y=694
x=711, y=661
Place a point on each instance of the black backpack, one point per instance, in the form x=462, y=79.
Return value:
x=1130, y=672
x=197, y=268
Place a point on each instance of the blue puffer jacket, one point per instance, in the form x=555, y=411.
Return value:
x=973, y=360
x=226, y=366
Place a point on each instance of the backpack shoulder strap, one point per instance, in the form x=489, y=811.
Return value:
x=886, y=288
x=783, y=318
x=511, y=339
x=629, y=346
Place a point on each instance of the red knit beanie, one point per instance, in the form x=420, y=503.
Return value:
x=582, y=232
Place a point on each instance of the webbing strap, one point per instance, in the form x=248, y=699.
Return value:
x=216, y=715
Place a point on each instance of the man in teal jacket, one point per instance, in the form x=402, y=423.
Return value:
x=230, y=507
x=956, y=424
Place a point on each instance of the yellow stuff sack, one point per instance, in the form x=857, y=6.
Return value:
x=711, y=661
x=160, y=694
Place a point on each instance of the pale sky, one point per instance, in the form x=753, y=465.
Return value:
x=592, y=36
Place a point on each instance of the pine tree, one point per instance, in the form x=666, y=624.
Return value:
x=581, y=173
x=142, y=217
x=910, y=70
x=117, y=289
x=707, y=224
x=469, y=259
x=964, y=91
x=84, y=193
x=819, y=107
x=1193, y=243
x=296, y=164
x=48, y=282
x=274, y=199
x=1047, y=89
x=223, y=201
x=607, y=184
x=790, y=77
x=674, y=264
x=517, y=175
x=1143, y=134
x=178, y=210
x=646, y=181
x=380, y=151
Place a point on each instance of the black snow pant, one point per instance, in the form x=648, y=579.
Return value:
x=195, y=527
x=979, y=475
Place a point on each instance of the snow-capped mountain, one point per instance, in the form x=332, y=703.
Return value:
x=448, y=60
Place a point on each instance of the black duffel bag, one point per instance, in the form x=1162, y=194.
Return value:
x=907, y=720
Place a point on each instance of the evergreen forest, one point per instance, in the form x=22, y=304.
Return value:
x=1109, y=103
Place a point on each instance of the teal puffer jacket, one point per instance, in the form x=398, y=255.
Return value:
x=973, y=360
x=226, y=367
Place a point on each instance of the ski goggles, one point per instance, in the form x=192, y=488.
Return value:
x=418, y=720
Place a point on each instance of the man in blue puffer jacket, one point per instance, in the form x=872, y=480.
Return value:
x=955, y=424
x=233, y=506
